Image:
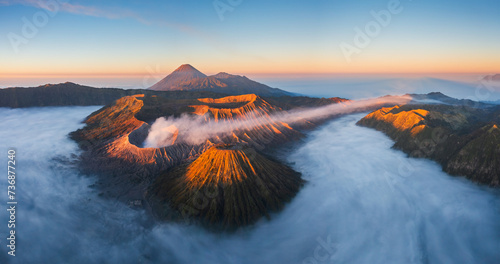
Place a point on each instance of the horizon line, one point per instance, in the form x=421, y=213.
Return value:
x=136, y=74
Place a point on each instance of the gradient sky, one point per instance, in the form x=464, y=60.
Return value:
x=134, y=37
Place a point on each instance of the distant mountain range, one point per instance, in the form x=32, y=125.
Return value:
x=492, y=102
x=493, y=77
x=188, y=78
x=440, y=98
x=72, y=94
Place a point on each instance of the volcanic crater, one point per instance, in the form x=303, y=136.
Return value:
x=169, y=179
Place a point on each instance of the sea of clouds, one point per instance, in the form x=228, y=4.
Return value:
x=363, y=203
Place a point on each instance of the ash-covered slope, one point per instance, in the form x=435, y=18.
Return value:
x=187, y=78
x=237, y=186
x=464, y=140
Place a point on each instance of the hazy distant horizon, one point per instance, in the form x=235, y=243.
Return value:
x=350, y=86
x=139, y=80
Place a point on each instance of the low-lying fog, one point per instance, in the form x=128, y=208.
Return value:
x=363, y=203
x=357, y=87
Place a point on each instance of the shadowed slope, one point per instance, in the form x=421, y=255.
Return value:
x=479, y=158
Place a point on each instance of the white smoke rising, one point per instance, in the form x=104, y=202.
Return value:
x=196, y=129
x=163, y=132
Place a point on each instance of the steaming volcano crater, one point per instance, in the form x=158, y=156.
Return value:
x=249, y=184
x=244, y=118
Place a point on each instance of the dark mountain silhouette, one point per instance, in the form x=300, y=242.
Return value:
x=187, y=78
x=71, y=94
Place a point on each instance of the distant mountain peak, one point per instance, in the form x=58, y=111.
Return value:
x=182, y=75
x=440, y=98
x=188, y=78
x=223, y=75
x=431, y=94
x=186, y=68
x=66, y=84
x=438, y=94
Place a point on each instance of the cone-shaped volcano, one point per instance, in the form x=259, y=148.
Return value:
x=187, y=78
x=228, y=185
x=184, y=74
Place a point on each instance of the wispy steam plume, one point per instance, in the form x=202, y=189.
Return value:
x=196, y=129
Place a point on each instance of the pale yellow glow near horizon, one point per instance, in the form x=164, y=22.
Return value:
x=370, y=63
